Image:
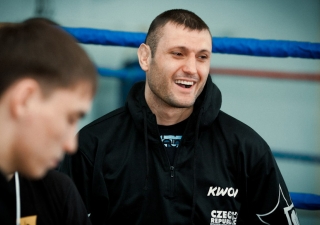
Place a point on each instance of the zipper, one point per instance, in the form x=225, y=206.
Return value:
x=171, y=193
x=170, y=190
x=172, y=171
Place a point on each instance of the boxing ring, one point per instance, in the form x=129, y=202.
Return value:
x=238, y=46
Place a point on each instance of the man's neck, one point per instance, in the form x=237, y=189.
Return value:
x=6, y=153
x=167, y=115
x=5, y=166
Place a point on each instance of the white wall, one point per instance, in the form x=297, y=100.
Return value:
x=285, y=113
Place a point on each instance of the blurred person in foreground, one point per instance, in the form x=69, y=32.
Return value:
x=47, y=83
x=170, y=155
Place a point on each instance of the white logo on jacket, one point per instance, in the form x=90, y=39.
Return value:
x=218, y=191
x=223, y=217
x=289, y=211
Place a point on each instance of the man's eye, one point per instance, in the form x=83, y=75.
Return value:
x=203, y=57
x=177, y=53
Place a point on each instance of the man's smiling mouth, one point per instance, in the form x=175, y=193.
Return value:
x=184, y=83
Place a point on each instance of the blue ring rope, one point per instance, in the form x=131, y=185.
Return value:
x=305, y=201
x=238, y=46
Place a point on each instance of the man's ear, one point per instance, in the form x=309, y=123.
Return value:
x=23, y=95
x=144, y=55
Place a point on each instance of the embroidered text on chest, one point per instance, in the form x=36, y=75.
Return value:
x=218, y=191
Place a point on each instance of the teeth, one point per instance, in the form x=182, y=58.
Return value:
x=184, y=82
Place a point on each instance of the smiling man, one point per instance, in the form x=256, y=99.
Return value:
x=170, y=155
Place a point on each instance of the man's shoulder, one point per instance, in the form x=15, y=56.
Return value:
x=106, y=120
x=104, y=128
x=107, y=117
x=244, y=139
x=57, y=179
x=238, y=129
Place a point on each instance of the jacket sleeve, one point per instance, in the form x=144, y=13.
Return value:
x=79, y=167
x=268, y=200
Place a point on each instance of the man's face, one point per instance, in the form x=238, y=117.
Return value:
x=180, y=67
x=48, y=130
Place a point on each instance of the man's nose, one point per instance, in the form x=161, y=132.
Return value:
x=190, y=66
x=70, y=145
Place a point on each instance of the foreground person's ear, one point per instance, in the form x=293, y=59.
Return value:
x=22, y=96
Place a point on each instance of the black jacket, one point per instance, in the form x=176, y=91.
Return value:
x=51, y=200
x=7, y=202
x=223, y=172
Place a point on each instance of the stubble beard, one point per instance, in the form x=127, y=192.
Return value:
x=161, y=94
x=163, y=97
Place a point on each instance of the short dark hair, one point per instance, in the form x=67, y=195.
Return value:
x=44, y=52
x=182, y=17
x=41, y=19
